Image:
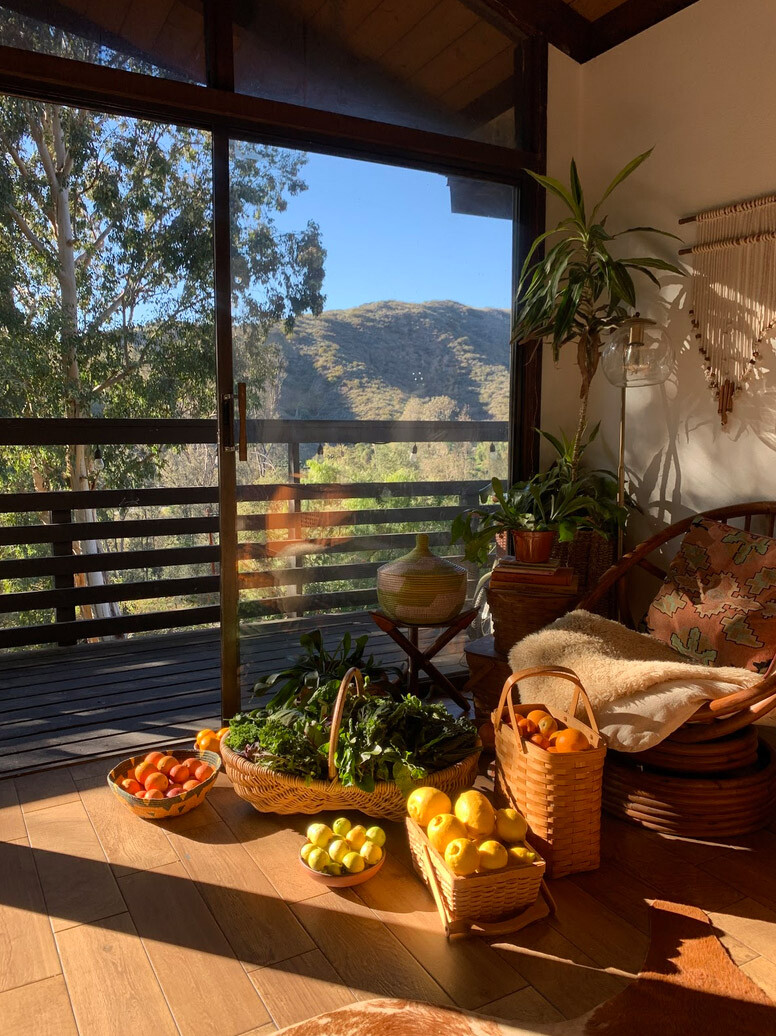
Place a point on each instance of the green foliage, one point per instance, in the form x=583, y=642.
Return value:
x=555, y=500
x=316, y=667
x=379, y=738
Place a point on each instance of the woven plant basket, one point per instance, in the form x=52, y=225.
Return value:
x=589, y=555
x=478, y=900
x=559, y=794
x=516, y=613
x=271, y=792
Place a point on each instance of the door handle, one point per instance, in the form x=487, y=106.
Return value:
x=227, y=422
x=243, y=423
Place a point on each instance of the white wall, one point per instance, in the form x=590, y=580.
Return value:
x=701, y=88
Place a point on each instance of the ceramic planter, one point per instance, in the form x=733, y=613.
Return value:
x=533, y=548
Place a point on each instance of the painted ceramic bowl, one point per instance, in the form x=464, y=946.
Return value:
x=164, y=809
x=343, y=881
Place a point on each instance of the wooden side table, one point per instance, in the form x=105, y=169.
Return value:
x=421, y=659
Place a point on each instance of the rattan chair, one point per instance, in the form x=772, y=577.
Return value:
x=713, y=776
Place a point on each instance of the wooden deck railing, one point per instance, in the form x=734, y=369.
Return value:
x=292, y=535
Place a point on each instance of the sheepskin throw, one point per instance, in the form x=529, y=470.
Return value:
x=641, y=690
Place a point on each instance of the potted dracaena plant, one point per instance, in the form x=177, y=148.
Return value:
x=576, y=293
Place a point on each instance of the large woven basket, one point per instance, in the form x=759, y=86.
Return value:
x=496, y=898
x=559, y=794
x=271, y=792
x=516, y=613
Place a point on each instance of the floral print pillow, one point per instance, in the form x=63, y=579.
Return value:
x=717, y=605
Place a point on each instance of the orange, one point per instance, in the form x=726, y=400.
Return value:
x=211, y=743
x=191, y=763
x=537, y=714
x=156, y=782
x=166, y=763
x=527, y=727
x=179, y=773
x=143, y=770
x=487, y=735
x=203, y=735
x=190, y=784
x=153, y=793
x=130, y=784
x=140, y=794
x=222, y=732
x=154, y=757
x=571, y=740
x=203, y=771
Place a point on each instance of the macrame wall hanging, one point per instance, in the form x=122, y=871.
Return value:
x=733, y=292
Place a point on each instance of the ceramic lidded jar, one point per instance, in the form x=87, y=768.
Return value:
x=421, y=588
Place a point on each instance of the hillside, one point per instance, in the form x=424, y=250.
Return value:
x=393, y=360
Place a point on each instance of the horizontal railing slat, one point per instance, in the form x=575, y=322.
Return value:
x=58, y=431
x=23, y=636
x=115, y=561
x=329, y=519
x=66, y=500
x=33, y=600
x=130, y=528
x=308, y=602
x=335, y=545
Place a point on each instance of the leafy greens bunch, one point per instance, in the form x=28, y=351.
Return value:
x=379, y=739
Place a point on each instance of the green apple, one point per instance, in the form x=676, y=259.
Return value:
x=371, y=853
x=354, y=863
x=339, y=849
x=320, y=835
x=318, y=859
x=341, y=826
x=356, y=837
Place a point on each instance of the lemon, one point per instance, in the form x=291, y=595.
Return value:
x=353, y=863
x=376, y=835
x=493, y=856
x=341, y=826
x=442, y=829
x=371, y=853
x=356, y=837
x=521, y=855
x=338, y=849
x=318, y=859
x=461, y=856
x=320, y=835
x=306, y=849
x=476, y=812
x=334, y=869
x=426, y=803
x=511, y=826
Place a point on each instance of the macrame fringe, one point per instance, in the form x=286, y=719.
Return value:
x=734, y=293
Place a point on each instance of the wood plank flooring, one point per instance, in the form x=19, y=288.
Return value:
x=207, y=926
x=62, y=705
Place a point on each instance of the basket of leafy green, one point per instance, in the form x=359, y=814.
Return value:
x=326, y=748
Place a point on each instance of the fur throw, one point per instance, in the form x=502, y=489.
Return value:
x=612, y=661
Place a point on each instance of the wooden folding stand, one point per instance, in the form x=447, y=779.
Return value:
x=421, y=659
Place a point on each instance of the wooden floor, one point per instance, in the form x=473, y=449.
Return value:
x=207, y=926
x=65, y=704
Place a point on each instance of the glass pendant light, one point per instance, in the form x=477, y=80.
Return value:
x=638, y=353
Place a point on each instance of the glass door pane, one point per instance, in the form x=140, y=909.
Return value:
x=371, y=325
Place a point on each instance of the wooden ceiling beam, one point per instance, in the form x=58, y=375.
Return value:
x=629, y=19
x=558, y=23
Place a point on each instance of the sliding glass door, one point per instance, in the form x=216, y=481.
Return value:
x=370, y=353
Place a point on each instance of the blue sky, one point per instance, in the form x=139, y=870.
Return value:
x=390, y=234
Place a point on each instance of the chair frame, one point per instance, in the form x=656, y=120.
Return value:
x=722, y=716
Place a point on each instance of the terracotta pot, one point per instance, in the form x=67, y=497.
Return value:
x=534, y=548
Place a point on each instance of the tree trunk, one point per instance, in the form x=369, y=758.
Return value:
x=77, y=459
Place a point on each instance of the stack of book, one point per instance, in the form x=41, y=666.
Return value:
x=517, y=575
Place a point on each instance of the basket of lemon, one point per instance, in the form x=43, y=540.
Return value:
x=483, y=874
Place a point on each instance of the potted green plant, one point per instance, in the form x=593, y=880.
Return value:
x=578, y=291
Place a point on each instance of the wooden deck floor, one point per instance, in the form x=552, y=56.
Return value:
x=206, y=925
x=65, y=704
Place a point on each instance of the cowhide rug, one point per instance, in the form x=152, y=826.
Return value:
x=688, y=984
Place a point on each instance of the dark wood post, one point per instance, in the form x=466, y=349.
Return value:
x=63, y=549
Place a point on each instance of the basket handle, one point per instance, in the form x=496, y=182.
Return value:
x=353, y=675
x=544, y=670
